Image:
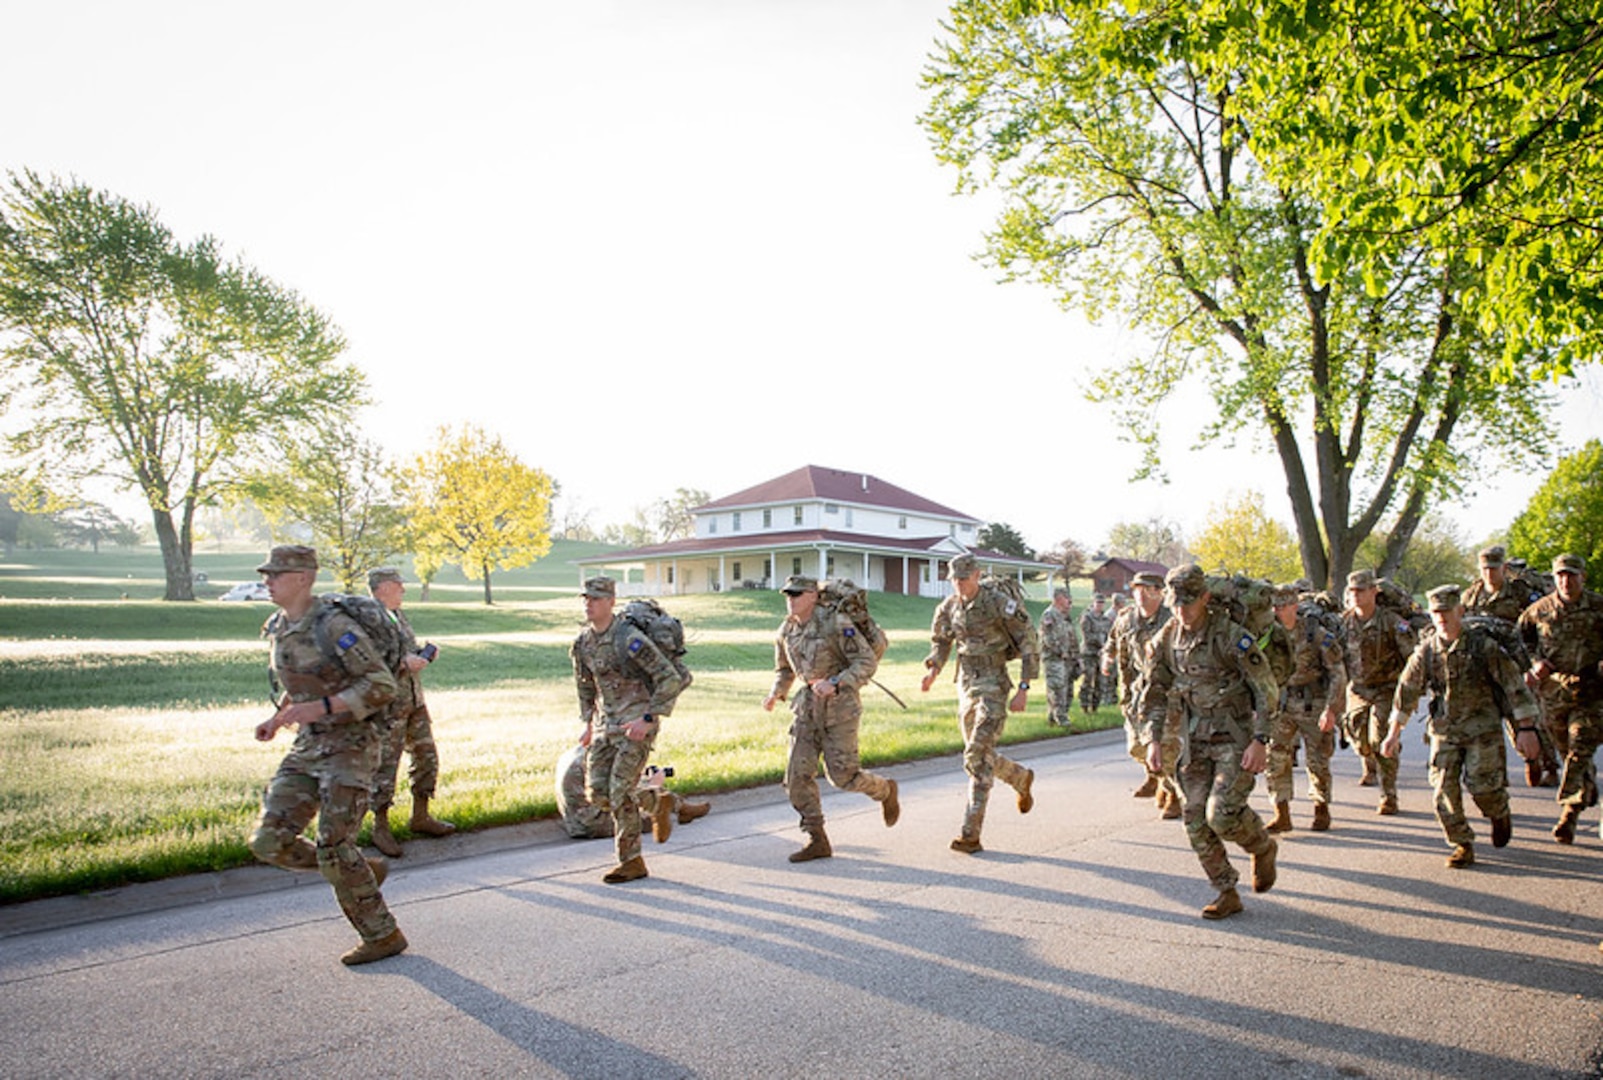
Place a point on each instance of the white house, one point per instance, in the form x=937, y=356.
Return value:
x=814, y=521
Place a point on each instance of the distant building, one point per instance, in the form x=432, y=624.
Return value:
x=1114, y=576
x=814, y=521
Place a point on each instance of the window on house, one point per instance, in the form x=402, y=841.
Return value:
x=712, y=524
x=832, y=508
x=796, y=515
x=951, y=530
x=848, y=517
x=968, y=528
x=670, y=575
x=901, y=522
x=795, y=565
x=768, y=569
x=768, y=519
x=829, y=566
x=734, y=521
x=926, y=573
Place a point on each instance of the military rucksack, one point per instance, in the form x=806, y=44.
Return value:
x=1320, y=611
x=666, y=632
x=1393, y=598
x=1012, y=601
x=370, y=614
x=843, y=595
x=1505, y=633
x=1246, y=600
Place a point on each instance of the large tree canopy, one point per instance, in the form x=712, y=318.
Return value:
x=1129, y=185
x=1565, y=515
x=159, y=363
x=1472, y=125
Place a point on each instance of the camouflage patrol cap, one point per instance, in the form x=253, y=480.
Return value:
x=1187, y=583
x=380, y=575
x=1569, y=564
x=287, y=557
x=1063, y=592
x=598, y=588
x=797, y=584
x=1444, y=598
x=1283, y=595
x=1494, y=556
x=1097, y=599
x=1362, y=579
x=1148, y=578
x=963, y=566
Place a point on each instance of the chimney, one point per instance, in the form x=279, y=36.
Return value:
x=865, y=481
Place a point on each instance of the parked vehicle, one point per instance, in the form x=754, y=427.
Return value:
x=247, y=590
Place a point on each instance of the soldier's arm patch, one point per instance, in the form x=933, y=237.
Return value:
x=1402, y=626
x=634, y=645
x=850, y=631
x=1012, y=606
x=1244, y=643
x=1330, y=639
x=347, y=639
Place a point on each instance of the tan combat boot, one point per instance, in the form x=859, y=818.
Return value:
x=1148, y=788
x=383, y=839
x=633, y=870
x=968, y=845
x=1227, y=904
x=1388, y=806
x=1174, y=807
x=891, y=806
x=369, y=951
x=1263, y=868
x=1321, y=817
x=1502, y=830
x=817, y=847
x=1282, y=821
x=662, y=817
x=1370, y=777
x=690, y=811
x=1564, y=831
x=1026, y=800
x=381, y=870
x=1463, y=856
x=422, y=823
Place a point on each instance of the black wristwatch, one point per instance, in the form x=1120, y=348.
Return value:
x=1264, y=739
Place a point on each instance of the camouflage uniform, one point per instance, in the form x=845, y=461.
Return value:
x=1473, y=682
x=409, y=729
x=1060, y=657
x=1315, y=682
x=1214, y=685
x=1568, y=635
x=1129, y=651
x=328, y=772
x=1507, y=603
x=1096, y=688
x=1377, y=648
x=984, y=630
x=583, y=819
x=826, y=646
x=621, y=676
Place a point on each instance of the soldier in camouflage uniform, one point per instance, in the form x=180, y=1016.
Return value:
x=1378, y=645
x=1129, y=652
x=1209, y=678
x=1473, y=683
x=1563, y=633
x=335, y=703
x=986, y=626
x=1498, y=594
x=1060, y=656
x=1313, y=693
x=409, y=728
x=626, y=686
x=584, y=820
x=1095, y=689
x=822, y=647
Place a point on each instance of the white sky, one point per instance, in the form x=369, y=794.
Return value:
x=650, y=243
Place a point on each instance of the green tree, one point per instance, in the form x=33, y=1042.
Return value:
x=1153, y=540
x=88, y=523
x=1239, y=535
x=343, y=489
x=1070, y=556
x=473, y=504
x=1565, y=516
x=674, y=518
x=158, y=363
x=1003, y=538
x=1437, y=555
x=1129, y=184
x=1467, y=125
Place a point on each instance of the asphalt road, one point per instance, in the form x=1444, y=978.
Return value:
x=1071, y=947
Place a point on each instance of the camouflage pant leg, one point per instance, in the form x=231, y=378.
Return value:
x=1299, y=721
x=392, y=741
x=843, y=716
x=1059, y=689
x=801, y=766
x=1366, y=727
x=613, y=769
x=424, y=772
x=1216, y=810
x=1583, y=734
x=983, y=716
x=329, y=774
x=1091, y=683
x=1481, y=765
x=1108, y=688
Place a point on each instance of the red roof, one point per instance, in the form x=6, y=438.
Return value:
x=834, y=485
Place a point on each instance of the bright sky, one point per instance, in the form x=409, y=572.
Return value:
x=650, y=243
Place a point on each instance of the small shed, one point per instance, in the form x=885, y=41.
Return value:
x=1114, y=576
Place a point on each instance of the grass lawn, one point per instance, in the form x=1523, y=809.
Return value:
x=125, y=724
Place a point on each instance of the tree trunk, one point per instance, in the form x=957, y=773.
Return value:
x=486, y=568
x=175, y=557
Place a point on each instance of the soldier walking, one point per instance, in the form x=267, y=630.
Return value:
x=1094, y=627
x=335, y=700
x=1060, y=656
x=1473, y=684
x=1311, y=706
x=1378, y=644
x=1129, y=652
x=1563, y=633
x=1497, y=594
x=821, y=647
x=1209, y=678
x=986, y=627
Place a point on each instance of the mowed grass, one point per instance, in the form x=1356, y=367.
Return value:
x=125, y=725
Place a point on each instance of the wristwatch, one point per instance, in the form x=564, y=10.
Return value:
x=1264, y=739
x=1024, y=684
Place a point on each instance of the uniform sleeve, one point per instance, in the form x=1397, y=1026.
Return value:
x=663, y=676
x=1158, y=699
x=1410, y=686
x=1505, y=672
x=408, y=639
x=1334, y=657
x=941, y=637
x=1028, y=642
x=1254, y=667
x=585, y=681
x=784, y=674
x=372, y=685
x=861, y=663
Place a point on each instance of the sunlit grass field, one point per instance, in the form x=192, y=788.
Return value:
x=125, y=724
